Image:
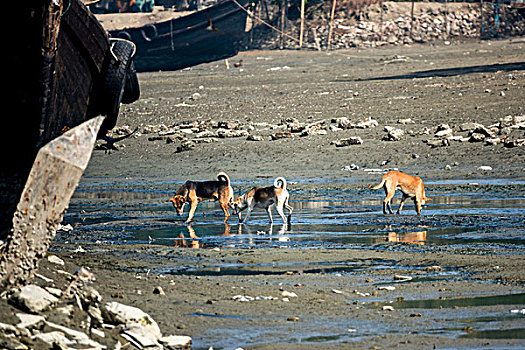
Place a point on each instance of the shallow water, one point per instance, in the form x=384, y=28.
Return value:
x=461, y=215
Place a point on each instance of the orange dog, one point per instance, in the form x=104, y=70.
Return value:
x=194, y=192
x=411, y=186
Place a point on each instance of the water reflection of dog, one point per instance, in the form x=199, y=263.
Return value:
x=195, y=243
x=282, y=230
x=418, y=237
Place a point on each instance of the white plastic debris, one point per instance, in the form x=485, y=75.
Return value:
x=485, y=168
x=243, y=298
x=517, y=311
x=287, y=294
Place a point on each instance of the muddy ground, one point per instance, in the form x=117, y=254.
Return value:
x=476, y=81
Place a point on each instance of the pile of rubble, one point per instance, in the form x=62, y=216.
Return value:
x=187, y=135
x=499, y=133
x=45, y=316
x=392, y=24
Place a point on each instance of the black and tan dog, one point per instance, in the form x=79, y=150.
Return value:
x=194, y=192
x=265, y=197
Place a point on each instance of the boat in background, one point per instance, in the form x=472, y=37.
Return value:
x=207, y=35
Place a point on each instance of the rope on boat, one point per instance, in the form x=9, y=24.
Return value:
x=67, y=9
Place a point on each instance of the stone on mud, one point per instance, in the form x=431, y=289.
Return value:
x=117, y=313
x=33, y=298
x=354, y=140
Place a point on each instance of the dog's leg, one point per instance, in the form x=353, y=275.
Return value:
x=279, y=206
x=390, y=189
x=224, y=206
x=288, y=206
x=193, y=207
x=405, y=197
x=418, y=205
x=269, y=211
x=248, y=212
x=387, y=204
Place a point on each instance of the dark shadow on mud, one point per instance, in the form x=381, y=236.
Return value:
x=447, y=72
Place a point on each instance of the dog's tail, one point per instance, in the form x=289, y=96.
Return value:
x=282, y=182
x=376, y=187
x=223, y=177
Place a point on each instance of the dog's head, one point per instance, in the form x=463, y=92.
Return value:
x=238, y=205
x=178, y=202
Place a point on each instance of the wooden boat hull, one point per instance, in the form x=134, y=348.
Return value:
x=59, y=63
x=204, y=36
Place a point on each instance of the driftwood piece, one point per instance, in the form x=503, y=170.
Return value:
x=54, y=176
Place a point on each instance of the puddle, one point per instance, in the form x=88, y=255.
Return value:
x=516, y=333
x=136, y=212
x=460, y=216
x=511, y=299
x=346, y=267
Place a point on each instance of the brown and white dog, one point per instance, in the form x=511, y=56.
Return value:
x=411, y=187
x=194, y=192
x=265, y=197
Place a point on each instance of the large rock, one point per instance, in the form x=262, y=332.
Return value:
x=176, y=342
x=117, y=313
x=33, y=298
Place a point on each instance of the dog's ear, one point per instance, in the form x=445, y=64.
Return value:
x=172, y=199
x=427, y=199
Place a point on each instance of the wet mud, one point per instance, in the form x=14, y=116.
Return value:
x=343, y=275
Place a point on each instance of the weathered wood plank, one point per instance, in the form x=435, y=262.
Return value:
x=54, y=176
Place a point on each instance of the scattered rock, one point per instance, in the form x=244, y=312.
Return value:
x=55, y=260
x=492, y=141
x=350, y=167
x=405, y=121
x=354, y=140
x=173, y=342
x=140, y=337
x=514, y=143
x=30, y=321
x=281, y=135
x=343, y=123
x=438, y=143
x=158, y=290
x=367, y=123
x=117, y=313
x=255, y=138
x=477, y=137
x=33, y=298
x=393, y=134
